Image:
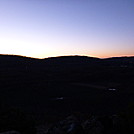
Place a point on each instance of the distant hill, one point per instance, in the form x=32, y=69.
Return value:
x=34, y=84
x=65, y=68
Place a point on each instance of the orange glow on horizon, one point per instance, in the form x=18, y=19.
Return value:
x=43, y=57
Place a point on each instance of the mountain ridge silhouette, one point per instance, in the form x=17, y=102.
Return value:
x=33, y=85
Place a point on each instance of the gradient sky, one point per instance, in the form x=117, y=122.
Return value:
x=47, y=28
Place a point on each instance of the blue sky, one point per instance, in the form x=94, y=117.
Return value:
x=46, y=28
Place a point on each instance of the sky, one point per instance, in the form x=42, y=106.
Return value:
x=49, y=28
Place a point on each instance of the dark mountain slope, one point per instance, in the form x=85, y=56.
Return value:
x=34, y=84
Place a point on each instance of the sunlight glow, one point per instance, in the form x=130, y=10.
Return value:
x=49, y=28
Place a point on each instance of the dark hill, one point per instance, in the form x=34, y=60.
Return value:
x=72, y=59
x=81, y=83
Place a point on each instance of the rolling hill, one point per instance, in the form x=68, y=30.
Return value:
x=84, y=83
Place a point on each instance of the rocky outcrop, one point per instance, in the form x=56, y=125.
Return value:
x=73, y=125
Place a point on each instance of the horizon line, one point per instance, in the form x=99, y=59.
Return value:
x=64, y=55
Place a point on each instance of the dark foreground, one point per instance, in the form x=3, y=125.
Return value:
x=43, y=94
